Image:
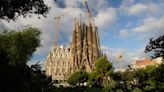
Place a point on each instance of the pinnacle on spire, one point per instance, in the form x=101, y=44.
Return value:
x=75, y=23
x=80, y=19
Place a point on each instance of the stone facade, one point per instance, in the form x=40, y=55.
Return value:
x=82, y=55
x=58, y=63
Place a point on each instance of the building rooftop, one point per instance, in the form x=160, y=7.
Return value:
x=144, y=62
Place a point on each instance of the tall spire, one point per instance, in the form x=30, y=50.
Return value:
x=80, y=19
x=75, y=23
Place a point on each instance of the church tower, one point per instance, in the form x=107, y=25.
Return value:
x=85, y=46
x=82, y=54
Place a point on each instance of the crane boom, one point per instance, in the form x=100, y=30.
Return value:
x=57, y=18
x=89, y=13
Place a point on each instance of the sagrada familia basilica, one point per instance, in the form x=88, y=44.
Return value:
x=82, y=54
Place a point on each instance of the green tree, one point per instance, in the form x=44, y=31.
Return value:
x=101, y=74
x=103, y=67
x=110, y=85
x=156, y=46
x=78, y=77
x=16, y=49
x=145, y=78
x=39, y=80
x=155, y=75
x=159, y=77
x=149, y=79
x=94, y=79
x=159, y=73
x=11, y=9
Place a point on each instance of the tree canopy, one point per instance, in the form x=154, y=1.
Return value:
x=103, y=66
x=78, y=77
x=156, y=46
x=11, y=9
x=16, y=48
x=103, y=69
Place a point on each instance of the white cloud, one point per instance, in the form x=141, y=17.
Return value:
x=141, y=8
x=106, y=18
x=72, y=3
x=124, y=33
x=127, y=2
x=3, y=26
x=97, y=5
x=150, y=24
x=137, y=9
x=139, y=54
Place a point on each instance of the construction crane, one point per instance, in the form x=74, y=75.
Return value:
x=120, y=59
x=57, y=18
x=90, y=18
x=120, y=56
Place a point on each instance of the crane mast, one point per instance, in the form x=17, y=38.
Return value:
x=57, y=30
x=57, y=18
x=88, y=13
x=120, y=59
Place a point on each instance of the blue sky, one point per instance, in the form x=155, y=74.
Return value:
x=124, y=26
